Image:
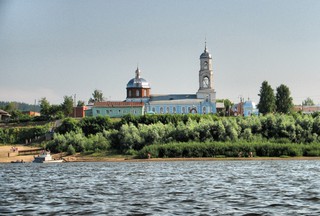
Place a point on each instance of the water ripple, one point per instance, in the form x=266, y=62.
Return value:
x=247, y=188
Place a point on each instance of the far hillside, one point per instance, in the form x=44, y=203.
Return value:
x=19, y=106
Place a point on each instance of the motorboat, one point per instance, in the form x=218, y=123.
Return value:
x=45, y=157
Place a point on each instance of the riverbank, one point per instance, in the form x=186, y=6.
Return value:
x=4, y=150
x=12, y=156
x=7, y=155
x=110, y=159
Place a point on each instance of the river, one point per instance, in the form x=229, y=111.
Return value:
x=272, y=187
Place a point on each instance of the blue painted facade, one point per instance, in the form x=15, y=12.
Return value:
x=203, y=102
x=138, y=92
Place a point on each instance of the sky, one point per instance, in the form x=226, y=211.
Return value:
x=57, y=48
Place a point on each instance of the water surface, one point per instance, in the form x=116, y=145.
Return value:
x=162, y=188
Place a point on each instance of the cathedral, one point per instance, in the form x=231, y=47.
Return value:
x=140, y=101
x=202, y=102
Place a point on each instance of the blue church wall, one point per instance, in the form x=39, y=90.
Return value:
x=202, y=108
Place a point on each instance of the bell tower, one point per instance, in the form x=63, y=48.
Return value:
x=206, y=87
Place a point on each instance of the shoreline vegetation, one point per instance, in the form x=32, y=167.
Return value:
x=174, y=137
x=4, y=149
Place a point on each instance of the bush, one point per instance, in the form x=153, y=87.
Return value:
x=94, y=125
x=71, y=150
x=69, y=125
x=15, y=135
x=216, y=149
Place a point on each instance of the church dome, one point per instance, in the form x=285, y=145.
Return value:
x=249, y=104
x=205, y=54
x=138, y=82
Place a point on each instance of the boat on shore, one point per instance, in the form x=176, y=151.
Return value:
x=45, y=157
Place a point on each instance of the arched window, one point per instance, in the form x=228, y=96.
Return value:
x=137, y=93
x=183, y=110
x=168, y=110
x=174, y=109
x=204, y=110
x=153, y=109
x=145, y=92
x=161, y=110
x=129, y=93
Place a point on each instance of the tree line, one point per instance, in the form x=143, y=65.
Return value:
x=132, y=133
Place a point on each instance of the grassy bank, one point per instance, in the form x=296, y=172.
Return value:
x=223, y=149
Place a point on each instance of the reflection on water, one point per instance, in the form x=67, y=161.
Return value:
x=162, y=188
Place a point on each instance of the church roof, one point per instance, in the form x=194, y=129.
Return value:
x=118, y=104
x=138, y=82
x=249, y=104
x=4, y=113
x=175, y=97
x=176, y=102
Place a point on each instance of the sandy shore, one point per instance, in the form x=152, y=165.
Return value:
x=4, y=150
x=78, y=158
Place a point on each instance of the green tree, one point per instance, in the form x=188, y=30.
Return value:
x=308, y=102
x=227, y=105
x=97, y=96
x=68, y=125
x=10, y=107
x=45, y=107
x=67, y=105
x=55, y=111
x=267, y=103
x=283, y=99
x=80, y=103
x=94, y=125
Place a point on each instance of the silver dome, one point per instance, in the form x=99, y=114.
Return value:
x=205, y=55
x=138, y=82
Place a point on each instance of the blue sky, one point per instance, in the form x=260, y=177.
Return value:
x=53, y=48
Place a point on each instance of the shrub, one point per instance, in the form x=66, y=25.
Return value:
x=214, y=149
x=69, y=125
x=94, y=125
x=71, y=150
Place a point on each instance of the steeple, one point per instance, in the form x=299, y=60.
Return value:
x=137, y=73
x=205, y=53
x=206, y=84
x=205, y=46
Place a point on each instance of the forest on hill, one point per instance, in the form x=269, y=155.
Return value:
x=5, y=105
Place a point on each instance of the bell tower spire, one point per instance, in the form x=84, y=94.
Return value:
x=137, y=73
x=205, y=45
x=206, y=85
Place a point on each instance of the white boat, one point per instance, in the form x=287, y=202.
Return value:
x=45, y=157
